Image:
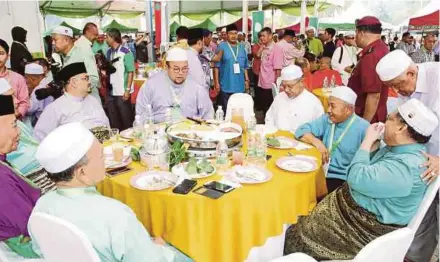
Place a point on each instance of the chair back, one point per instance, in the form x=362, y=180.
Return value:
x=295, y=257
x=389, y=247
x=240, y=100
x=276, y=87
x=430, y=194
x=59, y=240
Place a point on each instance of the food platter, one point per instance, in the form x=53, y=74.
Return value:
x=154, y=180
x=281, y=142
x=298, y=163
x=200, y=169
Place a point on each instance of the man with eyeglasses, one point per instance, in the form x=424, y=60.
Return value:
x=426, y=53
x=172, y=90
x=344, y=58
x=75, y=105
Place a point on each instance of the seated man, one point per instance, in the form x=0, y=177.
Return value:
x=18, y=195
x=337, y=135
x=172, y=90
x=325, y=72
x=295, y=106
x=383, y=190
x=305, y=67
x=74, y=160
x=76, y=105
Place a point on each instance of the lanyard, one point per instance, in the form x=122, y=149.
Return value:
x=16, y=172
x=335, y=145
x=235, y=55
x=428, y=57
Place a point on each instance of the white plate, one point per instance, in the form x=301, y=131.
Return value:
x=285, y=143
x=249, y=174
x=154, y=180
x=127, y=133
x=109, y=161
x=298, y=163
x=179, y=170
x=267, y=129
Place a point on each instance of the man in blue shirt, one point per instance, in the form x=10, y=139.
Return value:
x=230, y=74
x=337, y=135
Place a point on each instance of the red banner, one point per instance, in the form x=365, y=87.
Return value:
x=158, y=23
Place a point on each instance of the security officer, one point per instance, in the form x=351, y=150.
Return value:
x=372, y=94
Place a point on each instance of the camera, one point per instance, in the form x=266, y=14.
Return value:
x=54, y=88
x=104, y=64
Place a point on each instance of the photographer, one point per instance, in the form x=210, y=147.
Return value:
x=75, y=105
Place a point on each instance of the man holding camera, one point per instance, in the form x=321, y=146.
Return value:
x=75, y=105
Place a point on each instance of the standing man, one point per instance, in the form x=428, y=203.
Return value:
x=419, y=81
x=182, y=37
x=100, y=44
x=20, y=54
x=371, y=102
x=291, y=50
x=63, y=39
x=195, y=42
x=313, y=45
x=271, y=64
x=329, y=45
x=393, y=43
x=142, y=42
x=118, y=103
x=425, y=53
x=246, y=44
x=406, y=44
x=214, y=42
x=90, y=34
x=230, y=74
x=344, y=58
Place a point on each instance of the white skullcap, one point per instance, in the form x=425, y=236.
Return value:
x=418, y=116
x=311, y=28
x=63, y=30
x=351, y=33
x=291, y=72
x=33, y=69
x=177, y=54
x=64, y=147
x=4, y=86
x=224, y=29
x=393, y=65
x=344, y=93
x=240, y=33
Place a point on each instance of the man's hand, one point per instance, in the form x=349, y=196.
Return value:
x=246, y=85
x=159, y=241
x=126, y=96
x=348, y=69
x=217, y=87
x=323, y=150
x=373, y=133
x=433, y=167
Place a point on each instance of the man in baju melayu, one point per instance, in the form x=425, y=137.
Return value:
x=73, y=158
x=383, y=190
x=337, y=135
x=172, y=89
x=75, y=105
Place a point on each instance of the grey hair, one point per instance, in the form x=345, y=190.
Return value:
x=67, y=175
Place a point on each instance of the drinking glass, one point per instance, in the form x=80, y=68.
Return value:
x=114, y=134
x=237, y=117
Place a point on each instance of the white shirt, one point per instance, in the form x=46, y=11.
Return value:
x=195, y=72
x=427, y=91
x=348, y=58
x=290, y=113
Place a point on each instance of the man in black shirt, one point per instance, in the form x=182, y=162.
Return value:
x=20, y=54
x=393, y=43
x=329, y=45
x=142, y=42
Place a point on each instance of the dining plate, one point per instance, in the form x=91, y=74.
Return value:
x=180, y=170
x=154, y=180
x=109, y=161
x=249, y=174
x=298, y=163
x=285, y=143
x=268, y=130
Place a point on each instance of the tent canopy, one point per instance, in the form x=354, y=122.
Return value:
x=295, y=27
x=429, y=22
x=239, y=24
x=75, y=30
x=122, y=28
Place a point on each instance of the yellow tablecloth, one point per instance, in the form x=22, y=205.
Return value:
x=227, y=228
x=323, y=96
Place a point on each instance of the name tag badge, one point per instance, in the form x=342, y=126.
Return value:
x=236, y=68
x=325, y=167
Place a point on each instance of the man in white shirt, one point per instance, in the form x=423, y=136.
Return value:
x=295, y=106
x=195, y=42
x=344, y=58
x=419, y=81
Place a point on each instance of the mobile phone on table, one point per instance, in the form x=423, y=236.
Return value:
x=219, y=186
x=118, y=171
x=185, y=187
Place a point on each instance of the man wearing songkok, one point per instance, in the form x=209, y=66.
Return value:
x=313, y=44
x=195, y=42
x=64, y=45
x=73, y=158
x=295, y=106
x=171, y=89
x=382, y=193
x=344, y=58
x=290, y=48
x=17, y=81
x=337, y=135
x=426, y=52
x=75, y=105
x=325, y=71
x=421, y=82
x=34, y=75
x=371, y=103
x=18, y=195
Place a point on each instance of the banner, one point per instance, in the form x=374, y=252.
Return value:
x=257, y=24
x=158, y=24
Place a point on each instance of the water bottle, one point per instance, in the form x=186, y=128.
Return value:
x=149, y=117
x=219, y=115
x=260, y=148
x=222, y=160
x=168, y=117
x=137, y=128
x=251, y=147
x=333, y=82
x=251, y=123
x=325, y=83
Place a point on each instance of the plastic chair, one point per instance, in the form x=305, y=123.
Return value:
x=276, y=87
x=60, y=240
x=240, y=100
x=7, y=255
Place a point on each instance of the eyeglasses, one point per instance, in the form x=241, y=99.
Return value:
x=177, y=70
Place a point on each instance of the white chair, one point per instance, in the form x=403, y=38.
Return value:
x=276, y=87
x=391, y=247
x=59, y=240
x=240, y=100
x=7, y=255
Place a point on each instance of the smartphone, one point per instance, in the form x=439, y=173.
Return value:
x=118, y=171
x=219, y=186
x=185, y=187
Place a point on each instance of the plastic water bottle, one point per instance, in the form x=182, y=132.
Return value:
x=333, y=82
x=251, y=147
x=251, y=123
x=149, y=117
x=168, y=117
x=222, y=160
x=219, y=114
x=260, y=148
x=138, y=128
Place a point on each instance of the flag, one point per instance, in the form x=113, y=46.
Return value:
x=257, y=24
x=157, y=21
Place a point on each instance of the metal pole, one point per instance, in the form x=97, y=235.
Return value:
x=245, y=17
x=180, y=12
x=316, y=13
x=303, y=16
x=149, y=28
x=273, y=13
x=260, y=5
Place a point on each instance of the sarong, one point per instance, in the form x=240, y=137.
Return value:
x=337, y=229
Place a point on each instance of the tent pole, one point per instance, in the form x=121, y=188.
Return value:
x=273, y=12
x=260, y=5
x=180, y=12
x=245, y=17
x=303, y=16
x=149, y=28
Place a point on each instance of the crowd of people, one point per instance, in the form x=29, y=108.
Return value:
x=378, y=163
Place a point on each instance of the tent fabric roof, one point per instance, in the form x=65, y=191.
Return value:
x=295, y=27
x=239, y=24
x=122, y=28
x=425, y=23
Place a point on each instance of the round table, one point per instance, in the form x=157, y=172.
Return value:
x=323, y=96
x=227, y=228
x=137, y=84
